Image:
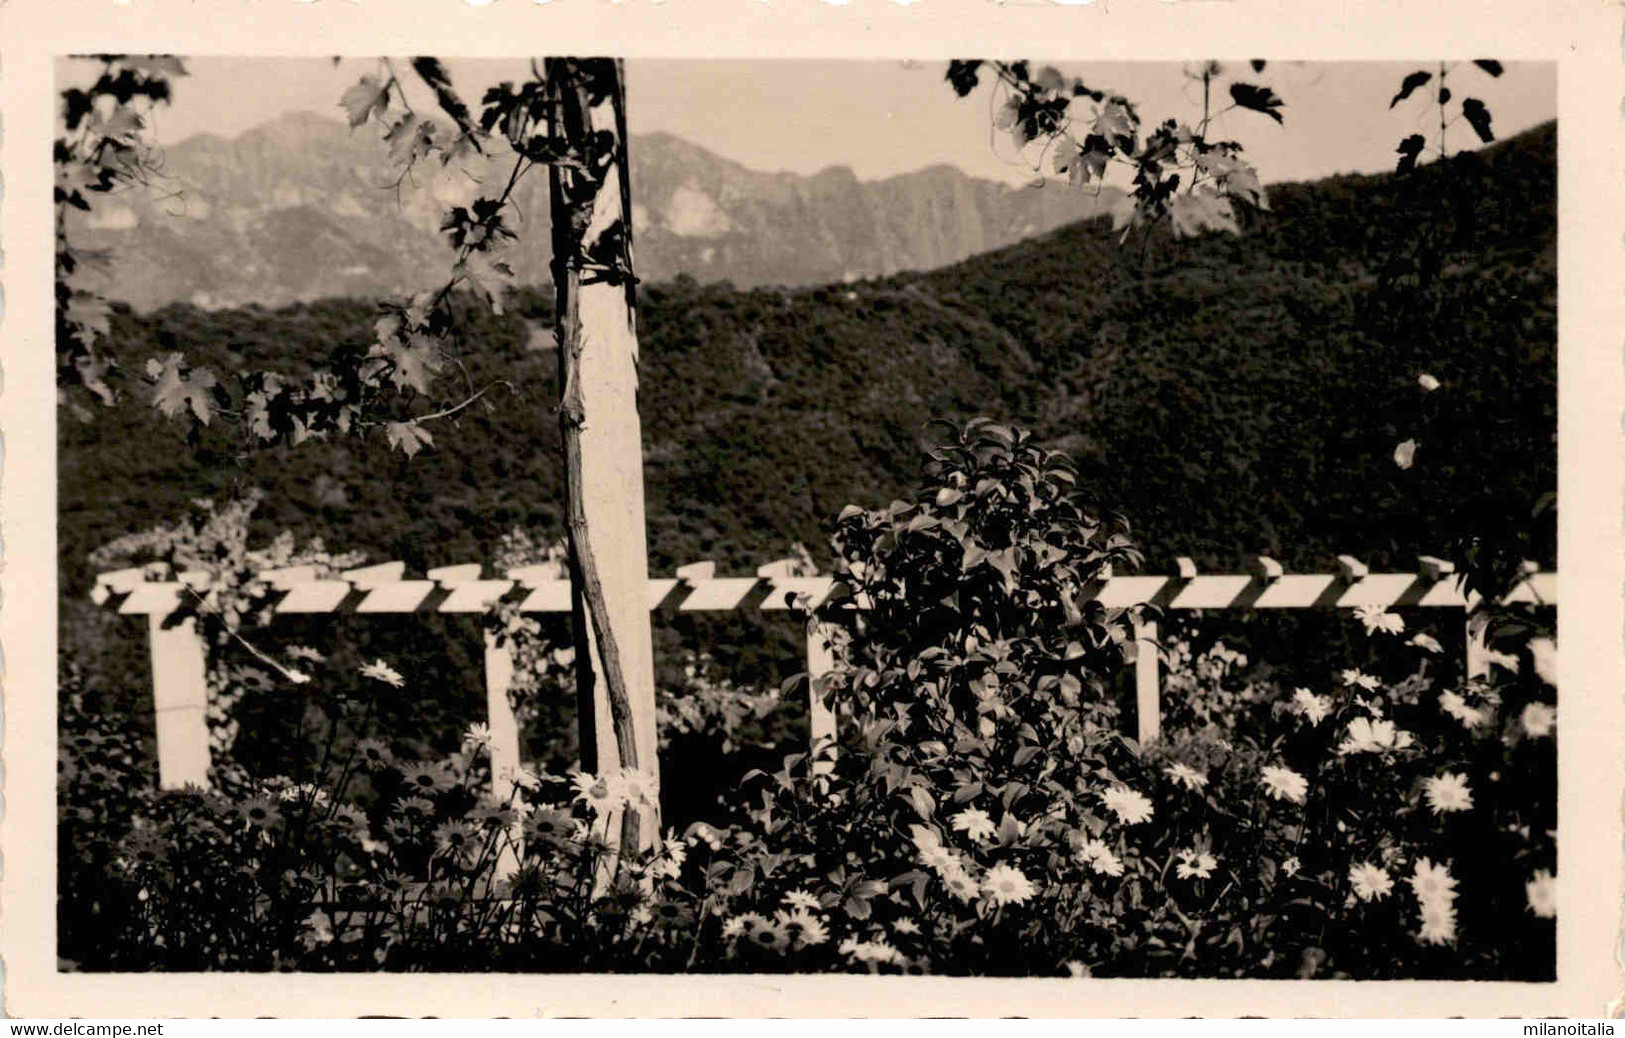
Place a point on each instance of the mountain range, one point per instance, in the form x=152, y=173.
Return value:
x=303, y=208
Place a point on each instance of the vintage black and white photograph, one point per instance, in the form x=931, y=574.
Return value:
x=997, y=517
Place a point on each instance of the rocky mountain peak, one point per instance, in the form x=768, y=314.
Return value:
x=226, y=234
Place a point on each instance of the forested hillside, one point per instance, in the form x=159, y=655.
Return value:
x=1233, y=396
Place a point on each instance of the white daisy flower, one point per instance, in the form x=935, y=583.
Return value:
x=1364, y=680
x=1195, y=864
x=1284, y=784
x=1427, y=642
x=521, y=776
x=1453, y=704
x=1186, y=776
x=1367, y=736
x=1543, y=651
x=1005, y=884
x=975, y=823
x=800, y=899
x=1129, y=807
x=1542, y=893
x=1432, y=883
x=1379, y=621
x=1405, y=454
x=873, y=951
x=1438, y=923
x=1448, y=793
x=1099, y=857
x=1506, y=661
x=378, y=670
x=806, y=928
x=1370, y=882
x=637, y=787
x=602, y=793
x=960, y=882
x=1538, y=719
x=1314, y=709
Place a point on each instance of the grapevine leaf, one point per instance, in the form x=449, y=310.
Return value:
x=415, y=362
x=962, y=75
x=1115, y=124
x=1008, y=115
x=1244, y=183
x=1202, y=210
x=360, y=100
x=1066, y=154
x=92, y=370
x=1092, y=162
x=1081, y=89
x=257, y=409
x=409, y=437
x=1080, y=164
x=1258, y=99
x=1237, y=178
x=434, y=76
x=487, y=275
x=1409, y=84
x=1409, y=149
x=72, y=181
x=1489, y=65
x=409, y=139
x=123, y=122
x=88, y=316
x=175, y=391
x=1475, y=113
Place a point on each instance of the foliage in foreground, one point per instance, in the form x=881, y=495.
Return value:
x=983, y=814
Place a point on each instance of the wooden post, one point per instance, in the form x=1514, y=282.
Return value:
x=603, y=440
x=504, y=734
x=820, y=718
x=180, y=697
x=1147, y=693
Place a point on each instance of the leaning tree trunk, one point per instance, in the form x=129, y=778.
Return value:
x=598, y=416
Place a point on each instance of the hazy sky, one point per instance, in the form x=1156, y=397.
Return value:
x=883, y=118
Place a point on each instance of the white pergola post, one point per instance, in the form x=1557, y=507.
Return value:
x=180, y=701
x=820, y=718
x=504, y=734
x=1147, y=690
